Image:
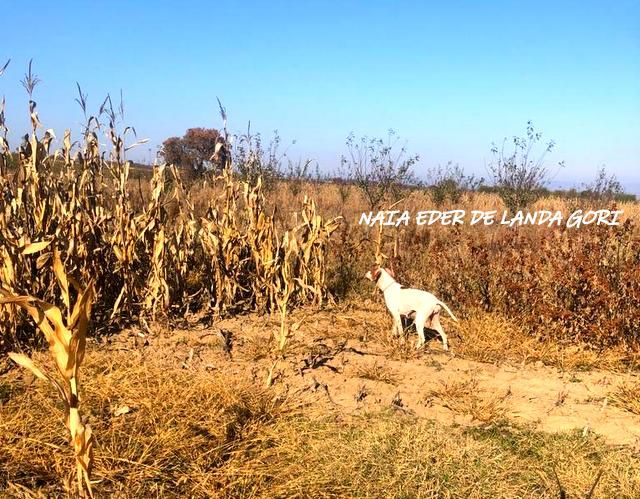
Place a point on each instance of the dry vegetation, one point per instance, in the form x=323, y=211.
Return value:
x=67, y=341
x=627, y=396
x=158, y=258
x=464, y=397
x=377, y=372
x=75, y=228
x=163, y=430
x=561, y=284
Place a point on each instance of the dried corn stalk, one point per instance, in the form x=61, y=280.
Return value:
x=148, y=258
x=67, y=341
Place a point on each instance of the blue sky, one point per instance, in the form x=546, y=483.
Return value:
x=449, y=77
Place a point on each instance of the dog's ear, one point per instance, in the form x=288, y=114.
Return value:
x=372, y=273
x=391, y=272
x=376, y=270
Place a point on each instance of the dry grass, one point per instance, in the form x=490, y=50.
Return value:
x=257, y=347
x=181, y=425
x=190, y=433
x=627, y=396
x=466, y=397
x=493, y=338
x=329, y=201
x=377, y=372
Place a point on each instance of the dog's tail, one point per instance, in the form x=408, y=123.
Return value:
x=448, y=310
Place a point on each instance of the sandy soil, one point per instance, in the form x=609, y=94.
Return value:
x=344, y=359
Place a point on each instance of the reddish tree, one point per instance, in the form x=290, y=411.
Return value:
x=194, y=151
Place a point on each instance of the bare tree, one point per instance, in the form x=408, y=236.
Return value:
x=605, y=187
x=378, y=167
x=519, y=175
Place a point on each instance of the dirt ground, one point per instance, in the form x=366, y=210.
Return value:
x=345, y=359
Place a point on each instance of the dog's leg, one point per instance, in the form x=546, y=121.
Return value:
x=420, y=320
x=396, y=329
x=397, y=325
x=435, y=324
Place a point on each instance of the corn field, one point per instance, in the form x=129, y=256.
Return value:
x=147, y=262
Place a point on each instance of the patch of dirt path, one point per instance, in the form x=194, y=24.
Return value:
x=340, y=361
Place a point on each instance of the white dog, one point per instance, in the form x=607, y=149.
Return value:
x=419, y=305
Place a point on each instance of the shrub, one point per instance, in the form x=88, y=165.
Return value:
x=605, y=187
x=520, y=175
x=252, y=161
x=378, y=167
x=450, y=182
x=297, y=174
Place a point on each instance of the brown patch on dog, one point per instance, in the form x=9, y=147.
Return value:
x=376, y=272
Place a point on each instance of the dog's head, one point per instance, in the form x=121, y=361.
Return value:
x=375, y=272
